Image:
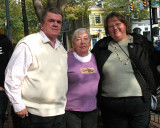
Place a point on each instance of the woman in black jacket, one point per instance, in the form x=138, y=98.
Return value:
x=6, y=50
x=129, y=76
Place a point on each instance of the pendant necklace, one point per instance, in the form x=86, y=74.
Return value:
x=118, y=56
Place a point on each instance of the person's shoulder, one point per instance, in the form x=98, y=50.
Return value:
x=62, y=49
x=103, y=40
x=33, y=36
x=2, y=36
x=92, y=55
x=4, y=40
x=70, y=57
x=102, y=43
x=141, y=39
x=30, y=39
x=137, y=36
x=70, y=54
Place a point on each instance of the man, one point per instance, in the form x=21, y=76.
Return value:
x=6, y=50
x=36, y=76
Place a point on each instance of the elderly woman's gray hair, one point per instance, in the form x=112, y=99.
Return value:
x=80, y=31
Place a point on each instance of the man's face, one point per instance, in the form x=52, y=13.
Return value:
x=52, y=25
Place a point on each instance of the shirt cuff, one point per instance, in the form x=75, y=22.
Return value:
x=18, y=107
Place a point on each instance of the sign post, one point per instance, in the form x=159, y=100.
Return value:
x=150, y=20
x=65, y=28
x=9, y=29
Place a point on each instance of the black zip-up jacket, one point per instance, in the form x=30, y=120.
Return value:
x=6, y=50
x=142, y=54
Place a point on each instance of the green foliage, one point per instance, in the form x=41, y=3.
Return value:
x=121, y=6
x=2, y=14
x=44, y=2
x=17, y=19
x=77, y=13
x=33, y=22
x=75, y=10
x=78, y=8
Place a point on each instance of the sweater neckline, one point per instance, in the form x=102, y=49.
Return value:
x=84, y=58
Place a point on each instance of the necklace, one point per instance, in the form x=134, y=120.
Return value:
x=116, y=51
x=119, y=58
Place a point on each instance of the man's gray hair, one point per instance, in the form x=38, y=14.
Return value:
x=52, y=10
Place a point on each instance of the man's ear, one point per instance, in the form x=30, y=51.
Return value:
x=41, y=26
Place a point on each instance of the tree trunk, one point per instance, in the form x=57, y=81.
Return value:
x=25, y=22
x=52, y=3
x=38, y=7
x=60, y=4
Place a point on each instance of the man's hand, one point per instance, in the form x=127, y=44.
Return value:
x=71, y=50
x=22, y=113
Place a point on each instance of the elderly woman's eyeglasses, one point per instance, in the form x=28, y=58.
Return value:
x=80, y=39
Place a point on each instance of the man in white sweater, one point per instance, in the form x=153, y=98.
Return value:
x=36, y=76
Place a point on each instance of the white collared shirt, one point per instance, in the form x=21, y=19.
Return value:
x=46, y=40
x=18, y=66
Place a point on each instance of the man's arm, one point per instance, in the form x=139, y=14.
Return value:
x=15, y=72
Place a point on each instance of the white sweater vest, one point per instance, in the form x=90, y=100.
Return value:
x=45, y=84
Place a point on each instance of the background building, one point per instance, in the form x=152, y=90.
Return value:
x=96, y=24
x=143, y=27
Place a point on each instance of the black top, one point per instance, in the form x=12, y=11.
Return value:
x=144, y=56
x=6, y=49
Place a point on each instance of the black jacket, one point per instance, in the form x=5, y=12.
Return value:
x=142, y=54
x=6, y=50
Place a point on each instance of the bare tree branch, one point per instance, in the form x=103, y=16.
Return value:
x=39, y=8
x=60, y=4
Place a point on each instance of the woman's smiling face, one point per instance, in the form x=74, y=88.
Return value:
x=117, y=29
x=82, y=43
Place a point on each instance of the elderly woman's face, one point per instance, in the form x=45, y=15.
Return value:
x=81, y=44
x=117, y=29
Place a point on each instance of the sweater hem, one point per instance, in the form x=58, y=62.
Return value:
x=46, y=112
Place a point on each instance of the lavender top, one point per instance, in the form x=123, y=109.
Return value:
x=83, y=79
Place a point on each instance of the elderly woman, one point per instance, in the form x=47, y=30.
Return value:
x=127, y=65
x=83, y=79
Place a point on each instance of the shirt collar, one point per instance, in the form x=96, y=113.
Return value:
x=45, y=39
